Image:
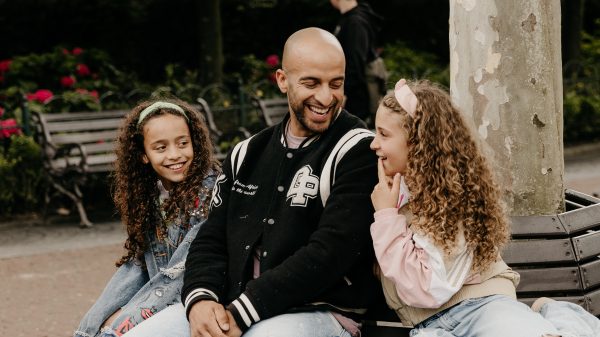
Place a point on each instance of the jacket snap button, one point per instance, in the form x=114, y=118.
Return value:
x=264, y=254
x=158, y=292
x=280, y=188
x=247, y=247
x=271, y=221
x=289, y=155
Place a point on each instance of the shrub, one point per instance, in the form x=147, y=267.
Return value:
x=22, y=181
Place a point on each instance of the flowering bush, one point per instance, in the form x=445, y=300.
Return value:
x=61, y=80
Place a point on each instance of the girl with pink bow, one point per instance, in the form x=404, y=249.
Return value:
x=440, y=227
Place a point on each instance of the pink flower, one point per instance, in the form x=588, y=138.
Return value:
x=67, y=81
x=42, y=96
x=94, y=93
x=5, y=66
x=1, y=111
x=76, y=51
x=272, y=60
x=9, y=127
x=83, y=70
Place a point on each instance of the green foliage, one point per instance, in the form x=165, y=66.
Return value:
x=22, y=175
x=581, y=113
x=402, y=61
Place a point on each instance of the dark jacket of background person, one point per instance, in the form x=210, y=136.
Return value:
x=357, y=30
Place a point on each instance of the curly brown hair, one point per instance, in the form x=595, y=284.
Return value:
x=135, y=189
x=452, y=188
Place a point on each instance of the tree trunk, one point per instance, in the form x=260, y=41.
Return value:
x=211, y=43
x=506, y=77
x=571, y=33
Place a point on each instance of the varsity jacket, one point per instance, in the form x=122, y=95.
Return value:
x=306, y=210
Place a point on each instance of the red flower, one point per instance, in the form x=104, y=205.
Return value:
x=94, y=93
x=83, y=70
x=5, y=66
x=67, y=81
x=65, y=51
x=9, y=127
x=1, y=111
x=76, y=51
x=272, y=60
x=42, y=96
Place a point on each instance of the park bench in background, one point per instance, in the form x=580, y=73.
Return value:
x=219, y=137
x=273, y=109
x=75, y=145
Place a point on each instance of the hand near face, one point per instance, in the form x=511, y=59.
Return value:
x=210, y=319
x=385, y=194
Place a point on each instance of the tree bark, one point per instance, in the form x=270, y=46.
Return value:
x=506, y=77
x=211, y=42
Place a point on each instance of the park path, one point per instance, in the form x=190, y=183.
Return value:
x=51, y=274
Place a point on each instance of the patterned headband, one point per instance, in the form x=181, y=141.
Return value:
x=160, y=105
x=407, y=99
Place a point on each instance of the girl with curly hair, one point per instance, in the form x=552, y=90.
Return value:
x=163, y=178
x=440, y=227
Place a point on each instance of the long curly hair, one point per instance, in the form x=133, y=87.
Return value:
x=452, y=188
x=135, y=189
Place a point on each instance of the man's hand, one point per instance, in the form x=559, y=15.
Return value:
x=210, y=319
x=385, y=193
x=234, y=330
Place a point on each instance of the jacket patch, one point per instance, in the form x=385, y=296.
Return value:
x=305, y=185
x=244, y=189
x=216, y=200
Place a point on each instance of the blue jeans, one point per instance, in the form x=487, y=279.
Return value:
x=173, y=323
x=500, y=316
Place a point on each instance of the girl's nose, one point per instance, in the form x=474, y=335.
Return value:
x=173, y=152
x=374, y=144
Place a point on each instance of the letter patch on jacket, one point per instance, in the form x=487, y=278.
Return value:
x=305, y=185
x=216, y=200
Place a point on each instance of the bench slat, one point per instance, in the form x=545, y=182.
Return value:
x=590, y=273
x=84, y=137
x=587, y=245
x=549, y=279
x=73, y=116
x=88, y=125
x=538, y=251
x=91, y=161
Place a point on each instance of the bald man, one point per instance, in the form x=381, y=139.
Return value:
x=286, y=249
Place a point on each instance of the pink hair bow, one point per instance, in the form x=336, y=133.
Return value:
x=407, y=99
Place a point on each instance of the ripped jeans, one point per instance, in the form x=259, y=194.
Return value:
x=500, y=316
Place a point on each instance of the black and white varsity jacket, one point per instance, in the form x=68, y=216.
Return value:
x=308, y=209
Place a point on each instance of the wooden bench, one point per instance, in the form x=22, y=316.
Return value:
x=273, y=110
x=75, y=145
x=558, y=256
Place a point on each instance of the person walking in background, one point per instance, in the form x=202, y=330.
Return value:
x=366, y=76
x=164, y=176
x=440, y=227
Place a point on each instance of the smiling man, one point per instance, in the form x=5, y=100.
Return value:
x=286, y=250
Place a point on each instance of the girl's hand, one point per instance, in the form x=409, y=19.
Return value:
x=385, y=195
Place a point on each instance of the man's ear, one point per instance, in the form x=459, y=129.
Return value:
x=145, y=159
x=281, y=80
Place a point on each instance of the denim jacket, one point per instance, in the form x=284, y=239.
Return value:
x=141, y=293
